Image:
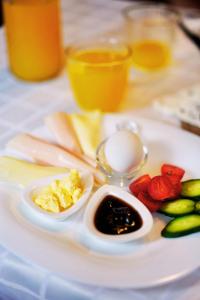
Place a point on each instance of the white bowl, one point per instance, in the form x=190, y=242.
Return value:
x=96, y=199
x=34, y=187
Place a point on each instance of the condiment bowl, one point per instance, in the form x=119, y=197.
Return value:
x=96, y=200
x=36, y=186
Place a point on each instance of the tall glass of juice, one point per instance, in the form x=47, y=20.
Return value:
x=98, y=74
x=150, y=31
x=34, y=41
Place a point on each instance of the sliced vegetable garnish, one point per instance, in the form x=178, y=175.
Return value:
x=148, y=201
x=160, y=188
x=140, y=184
x=168, y=195
x=174, y=179
x=176, y=190
x=174, y=173
x=178, y=207
x=197, y=207
x=191, y=188
x=182, y=226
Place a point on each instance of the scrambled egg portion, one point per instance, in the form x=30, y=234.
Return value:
x=60, y=194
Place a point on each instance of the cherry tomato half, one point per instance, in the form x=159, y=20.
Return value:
x=140, y=185
x=174, y=173
x=160, y=188
x=153, y=206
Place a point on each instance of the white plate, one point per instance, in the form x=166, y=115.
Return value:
x=67, y=252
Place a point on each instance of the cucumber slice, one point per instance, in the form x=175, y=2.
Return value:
x=191, y=188
x=182, y=226
x=197, y=207
x=178, y=207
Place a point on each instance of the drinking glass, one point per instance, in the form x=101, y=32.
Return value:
x=98, y=73
x=150, y=30
x=33, y=38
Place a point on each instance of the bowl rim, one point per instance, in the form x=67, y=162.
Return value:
x=149, y=6
x=96, y=199
x=87, y=179
x=106, y=44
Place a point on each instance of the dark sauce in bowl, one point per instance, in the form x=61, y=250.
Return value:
x=115, y=216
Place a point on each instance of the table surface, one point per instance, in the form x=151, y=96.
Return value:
x=19, y=103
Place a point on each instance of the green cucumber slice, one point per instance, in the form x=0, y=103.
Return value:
x=191, y=188
x=182, y=226
x=178, y=207
x=197, y=207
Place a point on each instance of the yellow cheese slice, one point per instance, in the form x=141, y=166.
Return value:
x=88, y=129
x=21, y=172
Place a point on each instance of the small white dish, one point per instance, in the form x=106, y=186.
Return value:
x=34, y=187
x=97, y=198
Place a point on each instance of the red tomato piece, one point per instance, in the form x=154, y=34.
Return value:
x=173, y=178
x=140, y=184
x=148, y=202
x=174, y=173
x=160, y=188
x=176, y=190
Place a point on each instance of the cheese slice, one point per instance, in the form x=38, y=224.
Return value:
x=22, y=173
x=88, y=129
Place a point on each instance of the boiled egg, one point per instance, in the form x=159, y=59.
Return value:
x=123, y=151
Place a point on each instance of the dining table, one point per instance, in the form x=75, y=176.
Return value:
x=23, y=105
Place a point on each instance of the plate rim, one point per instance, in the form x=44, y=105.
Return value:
x=142, y=285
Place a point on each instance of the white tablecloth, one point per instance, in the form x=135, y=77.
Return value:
x=22, y=107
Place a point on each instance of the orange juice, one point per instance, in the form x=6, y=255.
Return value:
x=99, y=76
x=33, y=38
x=151, y=55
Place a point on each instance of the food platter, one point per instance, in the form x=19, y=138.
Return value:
x=67, y=250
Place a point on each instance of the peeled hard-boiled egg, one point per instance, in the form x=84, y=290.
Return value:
x=123, y=151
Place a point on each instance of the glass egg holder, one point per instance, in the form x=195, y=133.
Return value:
x=121, y=178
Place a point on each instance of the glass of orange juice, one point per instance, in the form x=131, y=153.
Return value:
x=98, y=74
x=150, y=31
x=33, y=38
